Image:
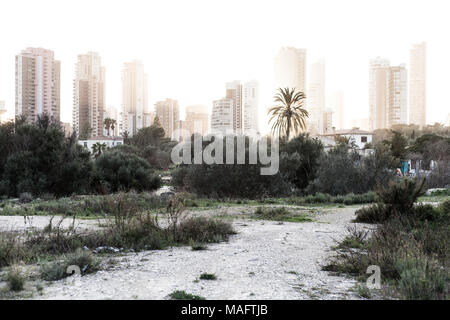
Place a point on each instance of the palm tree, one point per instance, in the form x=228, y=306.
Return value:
x=98, y=148
x=113, y=125
x=288, y=115
x=107, y=123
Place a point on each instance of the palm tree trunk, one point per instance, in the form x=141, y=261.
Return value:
x=288, y=129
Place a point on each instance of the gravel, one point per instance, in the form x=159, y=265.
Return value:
x=265, y=260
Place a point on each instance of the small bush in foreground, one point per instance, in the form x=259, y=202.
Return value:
x=183, y=295
x=208, y=276
x=15, y=280
x=395, y=200
x=279, y=214
x=58, y=270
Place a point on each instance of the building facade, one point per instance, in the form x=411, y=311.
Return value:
x=388, y=88
x=418, y=85
x=397, y=112
x=135, y=113
x=89, y=96
x=197, y=120
x=250, y=93
x=290, y=69
x=222, y=116
x=38, y=84
x=168, y=115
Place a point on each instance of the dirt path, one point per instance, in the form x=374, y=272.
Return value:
x=265, y=260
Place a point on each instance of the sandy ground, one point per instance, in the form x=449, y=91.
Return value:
x=265, y=260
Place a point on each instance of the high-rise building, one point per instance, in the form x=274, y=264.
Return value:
x=222, y=116
x=418, y=85
x=196, y=119
x=37, y=84
x=290, y=69
x=397, y=112
x=378, y=95
x=168, y=115
x=250, y=99
x=387, y=94
x=336, y=102
x=135, y=113
x=315, y=101
x=234, y=92
x=89, y=96
x=244, y=109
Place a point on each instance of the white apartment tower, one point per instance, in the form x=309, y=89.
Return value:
x=135, y=113
x=378, y=69
x=37, y=84
x=397, y=112
x=234, y=92
x=316, y=97
x=418, y=85
x=168, y=115
x=250, y=93
x=387, y=94
x=237, y=112
x=222, y=116
x=290, y=69
x=89, y=96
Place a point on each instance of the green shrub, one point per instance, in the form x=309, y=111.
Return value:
x=183, y=295
x=422, y=279
x=208, y=276
x=395, y=200
x=15, y=280
x=59, y=269
x=203, y=230
x=124, y=171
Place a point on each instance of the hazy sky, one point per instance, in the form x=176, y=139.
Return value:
x=191, y=48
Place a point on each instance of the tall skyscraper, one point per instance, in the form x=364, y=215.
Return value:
x=222, y=116
x=250, y=99
x=387, y=94
x=243, y=101
x=168, y=115
x=196, y=119
x=234, y=92
x=290, y=69
x=135, y=113
x=397, y=112
x=418, y=85
x=315, y=101
x=37, y=84
x=89, y=96
x=378, y=69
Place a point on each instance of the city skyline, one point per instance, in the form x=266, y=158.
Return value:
x=170, y=72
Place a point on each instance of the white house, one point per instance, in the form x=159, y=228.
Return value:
x=109, y=141
x=359, y=137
